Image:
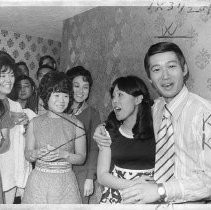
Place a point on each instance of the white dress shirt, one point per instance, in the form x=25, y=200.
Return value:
x=191, y=118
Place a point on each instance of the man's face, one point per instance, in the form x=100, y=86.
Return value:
x=23, y=70
x=24, y=89
x=48, y=62
x=166, y=74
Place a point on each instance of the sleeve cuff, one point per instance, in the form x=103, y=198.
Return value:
x=173, y=191
x=91, y=174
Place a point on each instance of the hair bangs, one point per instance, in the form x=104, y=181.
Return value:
x=6, y=69
x=128, y=85
x=62, y=87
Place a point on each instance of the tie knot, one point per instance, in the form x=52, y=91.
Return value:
x=166, y=113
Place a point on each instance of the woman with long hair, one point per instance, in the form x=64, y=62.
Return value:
x=130, y=127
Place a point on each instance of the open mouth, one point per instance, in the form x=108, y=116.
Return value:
x=117, y=109
x=167, y=85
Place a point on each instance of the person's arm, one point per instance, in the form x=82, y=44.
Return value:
x=195, y=184
x=104, y=177
x=5, y=125
x=93, y=150
x=31, y=153
x=4, y=140
x=92, y=154
x=80, y=148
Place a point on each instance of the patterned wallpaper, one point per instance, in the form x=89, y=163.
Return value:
x=112, y=41
x=29, y=49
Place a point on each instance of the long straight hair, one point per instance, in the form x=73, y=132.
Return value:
x=133, y=85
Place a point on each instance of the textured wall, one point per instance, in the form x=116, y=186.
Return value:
x=112, y=41
x=29, y=49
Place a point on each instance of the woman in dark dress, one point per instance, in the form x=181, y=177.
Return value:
x=81, y=80
x=133, y=146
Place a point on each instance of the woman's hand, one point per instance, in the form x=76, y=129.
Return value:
x=48, y=153
x=37, y=153
x=62, y=154
x=88, y=187
x=102, y=137
x=53, y=154
x=19, y=118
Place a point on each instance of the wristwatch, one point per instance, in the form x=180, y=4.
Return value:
x=161, y=192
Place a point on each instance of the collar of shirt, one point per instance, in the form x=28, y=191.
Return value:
x=175, y=107
x=177, y=104
x=84, y=106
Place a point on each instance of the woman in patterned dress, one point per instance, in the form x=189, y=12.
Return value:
x=55, y=141
x=133, y=146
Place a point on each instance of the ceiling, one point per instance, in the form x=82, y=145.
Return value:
x=44, y=18
x=40, y=21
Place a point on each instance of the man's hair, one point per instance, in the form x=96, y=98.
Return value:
x=43, y=58
x=162, y=47
x=44, y=67
x=21, y=63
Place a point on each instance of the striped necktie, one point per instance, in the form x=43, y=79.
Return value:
x=164, y=164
